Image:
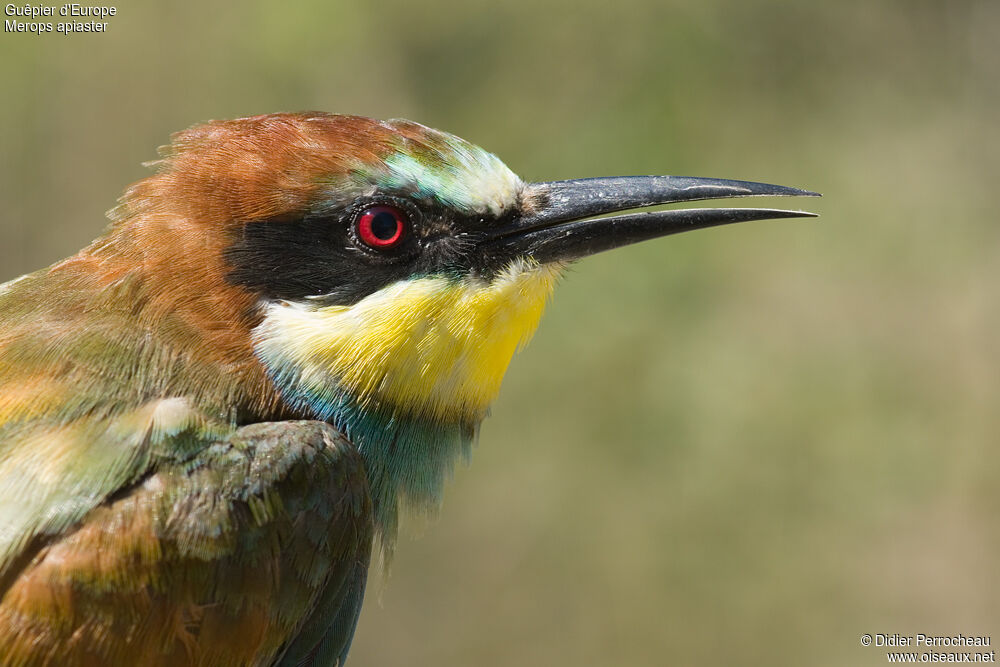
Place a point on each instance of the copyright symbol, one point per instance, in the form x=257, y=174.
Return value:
x=866, y=640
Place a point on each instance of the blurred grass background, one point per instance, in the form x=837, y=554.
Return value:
x=747, y=445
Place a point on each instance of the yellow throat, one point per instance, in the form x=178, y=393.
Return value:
x=433, y=347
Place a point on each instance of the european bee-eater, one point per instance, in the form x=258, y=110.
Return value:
x=210, y=414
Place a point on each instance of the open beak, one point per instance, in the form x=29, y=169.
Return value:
x=559, y=224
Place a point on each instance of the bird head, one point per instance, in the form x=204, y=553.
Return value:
x=382, y=273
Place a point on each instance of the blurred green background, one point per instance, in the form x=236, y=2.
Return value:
x=748, y=445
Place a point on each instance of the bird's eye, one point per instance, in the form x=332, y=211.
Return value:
x=382, y=227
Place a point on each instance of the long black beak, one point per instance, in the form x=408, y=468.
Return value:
x=558, y=220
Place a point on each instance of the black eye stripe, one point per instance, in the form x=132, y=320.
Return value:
x=296, y=259
x=323, y=254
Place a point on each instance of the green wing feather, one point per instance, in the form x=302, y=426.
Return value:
x=253, y=549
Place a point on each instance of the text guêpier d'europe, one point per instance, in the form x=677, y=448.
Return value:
x=25, y=18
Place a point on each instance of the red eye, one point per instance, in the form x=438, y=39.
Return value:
x=381, y=227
